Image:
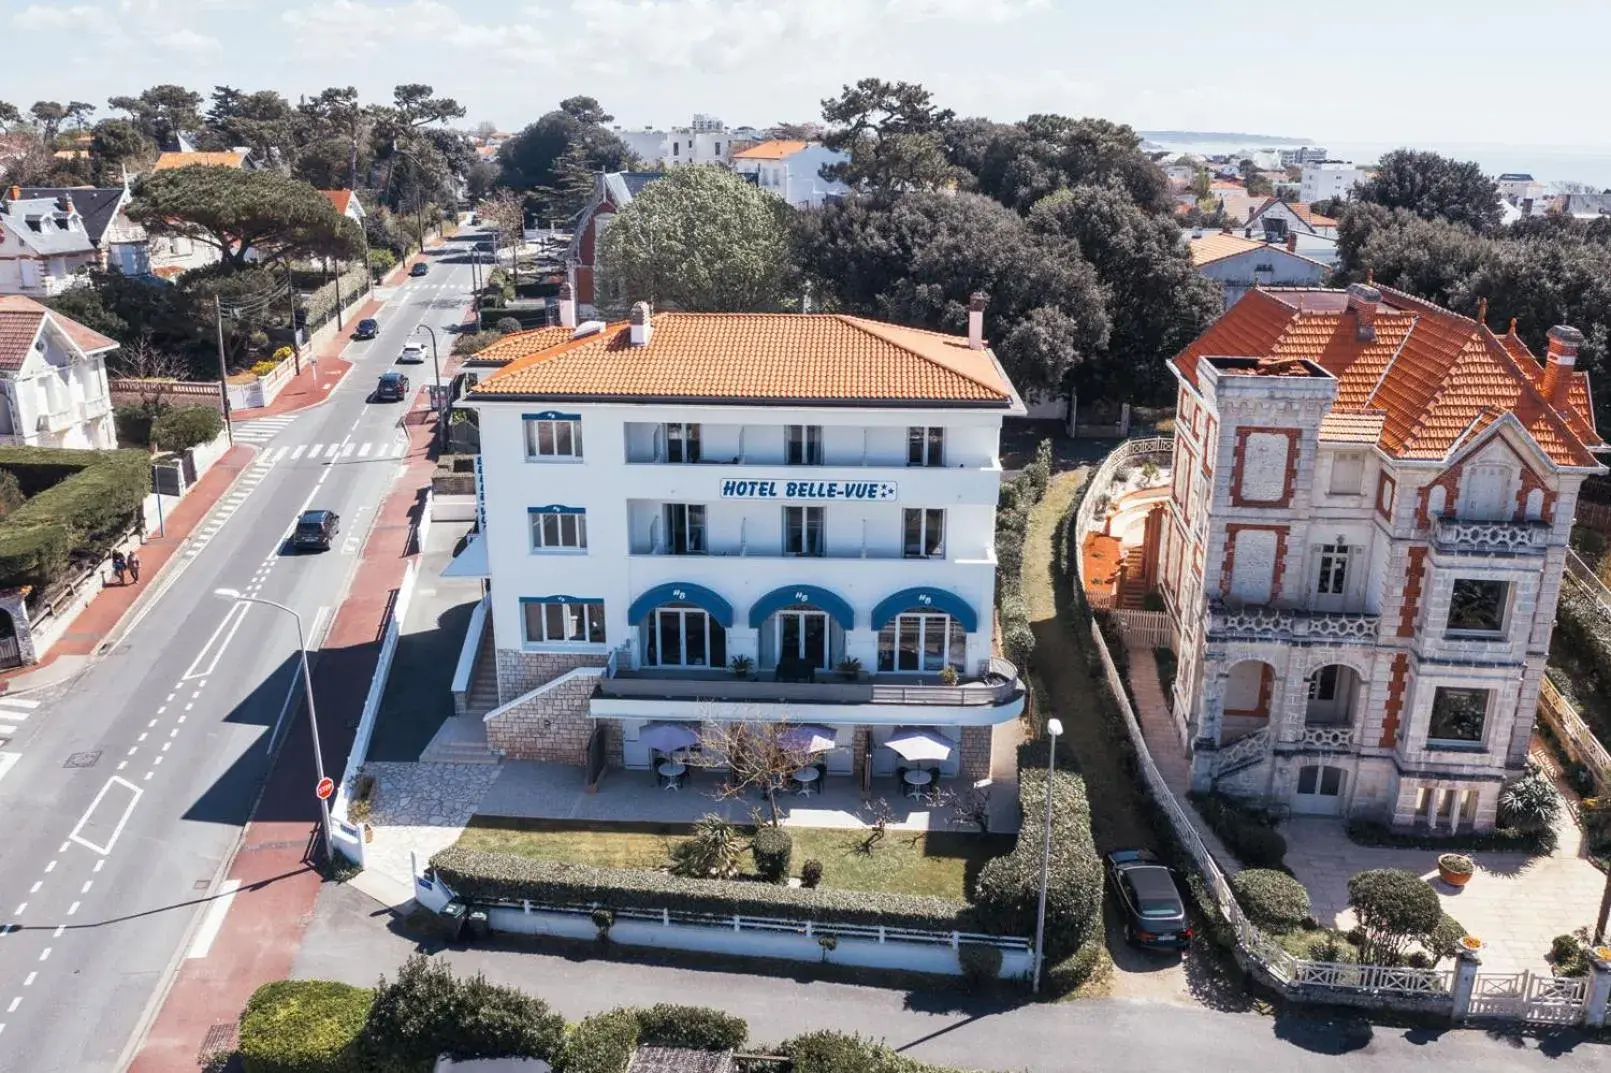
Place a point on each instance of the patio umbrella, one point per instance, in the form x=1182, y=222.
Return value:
x=808, y=739
x=668, y=737
x=920, y=743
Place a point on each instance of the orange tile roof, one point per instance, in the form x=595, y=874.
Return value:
x=823, y=358
x=226, y=159
x=1342, y=427
x=20, y=318
x=771, y=149
x=1433, y=376
x=1217, y=245
x=340, y=199
x=517, y=345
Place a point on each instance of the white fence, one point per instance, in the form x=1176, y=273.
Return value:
x=1155, y=629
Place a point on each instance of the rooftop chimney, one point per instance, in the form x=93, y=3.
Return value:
x=1562, y=356
x=65, y=202
x=976, y=308
x=1292, y=242
x=1363, y=300
x=16, y=193
x=642, y=326
x=567, y=306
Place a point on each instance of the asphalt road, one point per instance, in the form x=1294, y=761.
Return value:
x=351, y=940
x=132, y=781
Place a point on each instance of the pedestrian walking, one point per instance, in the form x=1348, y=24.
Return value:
x=120, y=565
x=134, y=566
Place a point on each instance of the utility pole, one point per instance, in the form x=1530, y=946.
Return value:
x=339, y=326
x=290, y=298
x=223, y=370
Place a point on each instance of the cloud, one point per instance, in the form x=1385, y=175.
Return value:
x=39, y=17
x=186, y=42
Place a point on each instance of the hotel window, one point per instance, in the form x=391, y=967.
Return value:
x=681, y=635
x=556, y=436
x=558, y=528
x=685, y=529
x=682, y=442
x=564, y=621
x=804, y=633
x=802, y=445
x=1478, y=606
x=925, y=446
x=922, y=641
x=1458, y=716
x=924, y=532
x=803, y=531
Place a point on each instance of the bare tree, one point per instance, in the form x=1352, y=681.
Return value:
x=758, y=755
x=152, y=366
x=880, y=816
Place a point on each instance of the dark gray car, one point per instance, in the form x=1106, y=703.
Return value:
x=1148, y=900
x=315, y=530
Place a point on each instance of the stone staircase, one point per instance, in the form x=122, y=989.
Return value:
x=482, y=695
x=461, y=739
x=1132, y=594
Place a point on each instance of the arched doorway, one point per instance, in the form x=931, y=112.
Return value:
x=1333, y=693
x=1320, y=790
x=1249, y=690
x=10, y=650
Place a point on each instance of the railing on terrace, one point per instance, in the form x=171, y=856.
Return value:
x=997, y=684
x=878, y=933
x=1574, y=735
x=1454, y=535
x=1227, y=622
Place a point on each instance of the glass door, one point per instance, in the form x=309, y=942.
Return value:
x=685, y=637
x=803, y=635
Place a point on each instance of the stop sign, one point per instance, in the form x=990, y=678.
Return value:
x=326, y=787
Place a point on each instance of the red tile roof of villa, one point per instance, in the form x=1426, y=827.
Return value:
x=20, y=318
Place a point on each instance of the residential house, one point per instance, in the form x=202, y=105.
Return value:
x=706, y=141
x=172, y=255
x=1239, y=264
x=44, y=245
x=121, y=243
x=1276, y=217
x=612, y=191
x=227, y=158
x=1306, y=154
x=1518, y=186
x=813, y=494
x=1362, y=550
x=346, y=203
x=1326, y=179
x=792, y=169
x=53, y=379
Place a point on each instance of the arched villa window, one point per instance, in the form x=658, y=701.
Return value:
x=682, y=635
x=802, y=625
x=923, y=631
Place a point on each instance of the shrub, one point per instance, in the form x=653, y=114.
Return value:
x=264, y=368
x=1570, y=955
x=602, y=1043
x=100, y=495
x=1245, y=831
x=1271, y=899
x=11, y=496
x=981, y=964
x=811, y=873
x=1444, y=940
x=471, y=342
x=1394, y=907
x=773, y=849
x=381, y=262
x=841, y=1052
x=504, y=877
x=183, y=427
x=712, y=852
x=304, y=1026
x=508, y=324
x=603, y=920
x=697, y=1028
x=1530, y=803
x=428, y=1012
x=133, y=422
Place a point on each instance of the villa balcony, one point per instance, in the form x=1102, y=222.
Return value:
x=1284, y=624
x=1512, y=538
x=997, y=685
x=60, y=420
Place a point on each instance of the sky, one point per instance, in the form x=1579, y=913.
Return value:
x=1431, y=71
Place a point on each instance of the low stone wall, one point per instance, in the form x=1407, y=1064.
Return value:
x=126, y=392
x=543, y=714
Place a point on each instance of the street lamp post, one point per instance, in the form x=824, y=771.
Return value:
x=1054, y=727
x=307, y=685
x=436, y=370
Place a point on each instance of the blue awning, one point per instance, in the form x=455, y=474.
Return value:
x=925, y=599
x=681, y=592
x=837, y=607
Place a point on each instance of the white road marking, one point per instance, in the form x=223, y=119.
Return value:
x=363, y=452
x=20, y=909
x=121, y=764
x=347, y=449
x=35, y=888
x=72, y=909
x=57, y=934
x=88, y=883
x=14, y=1004
x=7, y=730
x=99, y=865
x=148, y=775
x=44, y=955
x=213, y=922
x=236, y=613
x=117, y=828
x=19, y=702
x=313, y=452
x=296, y=452
x=51, y=867
x=28, y=981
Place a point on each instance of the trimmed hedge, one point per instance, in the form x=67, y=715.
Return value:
x=773, y=849
x=698, y=1028
x=602, y=1043
x=1007, y=894
x=427, y=1011
x=505, y=877
x=180, y=428
x=1245, y=832
x=305, y=1026
x=1271, y=899
x=840, y=1052
x=94, y=493
x=1013, y=504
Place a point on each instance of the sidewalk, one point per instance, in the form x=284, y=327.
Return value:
x=263, y=928
x=97, y=621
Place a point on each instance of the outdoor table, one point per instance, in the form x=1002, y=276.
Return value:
x=915, y=780
x=672, y=771
x=805, y=777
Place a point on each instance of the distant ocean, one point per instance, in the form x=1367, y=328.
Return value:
x=1550, y=163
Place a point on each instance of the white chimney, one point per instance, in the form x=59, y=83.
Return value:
x=642, y=324
x=567, y=306
x=976, y=308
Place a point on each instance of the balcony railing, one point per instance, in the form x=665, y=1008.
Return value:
x=1324, y=736
x=1284, y=624
x=1514, y=537
x=65, y=418
x=996, y=684
x=96, y=407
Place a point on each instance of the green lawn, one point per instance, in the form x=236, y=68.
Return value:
x=943, y=864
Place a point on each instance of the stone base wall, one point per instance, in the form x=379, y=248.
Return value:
x=554, y=724
x=974, y=760
x=858, y=756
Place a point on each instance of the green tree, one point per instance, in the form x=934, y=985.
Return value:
x=585, y=110
x=237, y=212
x=183, y=427
x=700, y=239
x=893, y=135
x=1434, y=187
x=545, y=159
x=1032, y=159
x=338, y=126
x=1395, y=908
x=79, y=113
x=417, y=108
x=162, y=112
x=117, y=144
x=48, y=116
x=262, y=121
x=9, y=115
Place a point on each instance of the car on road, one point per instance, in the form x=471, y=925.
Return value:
x=413, y=354
x=393, y=387
x=315, y=530
x=367, y=328
x=1148, y=899
x=419, y=269
x=484, y=244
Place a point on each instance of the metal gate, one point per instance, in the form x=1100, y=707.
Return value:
x=1554, y=1000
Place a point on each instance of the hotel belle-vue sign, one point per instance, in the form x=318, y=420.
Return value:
x=859, y=491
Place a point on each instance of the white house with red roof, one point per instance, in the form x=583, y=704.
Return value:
x=1362, y=550
x=811, y=497
x=346, y=203
x=792, y=169
x=52, y=379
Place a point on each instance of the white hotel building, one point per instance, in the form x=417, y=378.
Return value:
x=665, y=496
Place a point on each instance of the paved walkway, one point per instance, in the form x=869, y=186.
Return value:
x=421, y=809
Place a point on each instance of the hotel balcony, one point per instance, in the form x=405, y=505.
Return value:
x=1226, y=623
x=1505, y=538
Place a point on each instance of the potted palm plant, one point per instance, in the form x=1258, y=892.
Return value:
x=1455, y=869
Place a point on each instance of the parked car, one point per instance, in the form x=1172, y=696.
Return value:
x=413, y=354
x=419, y=269
x=367, y=328
x=393, y=387
x=1149, y=901
x=315, y=530
x=484, y=244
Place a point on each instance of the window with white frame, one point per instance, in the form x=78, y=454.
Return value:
x=553, y=436
x=685, y=529
x=1458, y=716
x=925, y=445
x=923, y=532
x=803, y=531
x=922, y=641
x=1333, y=579
x=1347, y=473
x=802, y=445
x=682, y=441
x=563, y=620
x=558, y=529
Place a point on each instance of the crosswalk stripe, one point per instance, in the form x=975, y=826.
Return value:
x=313, y=452
x=363, y=452
x=347, y=450
x=297, y=452
x=7, y=731
x=18, y=702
